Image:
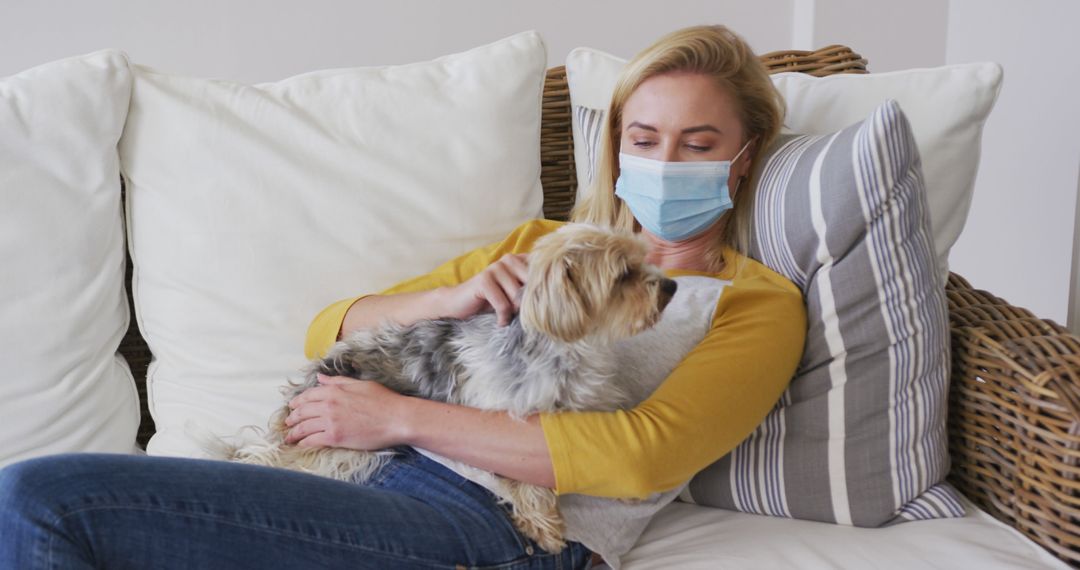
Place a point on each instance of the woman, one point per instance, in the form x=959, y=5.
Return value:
x=696, y=95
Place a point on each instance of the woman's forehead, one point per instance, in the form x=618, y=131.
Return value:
x=679, y=100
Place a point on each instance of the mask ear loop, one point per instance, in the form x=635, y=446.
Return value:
x=741, y=150
x=738, y=183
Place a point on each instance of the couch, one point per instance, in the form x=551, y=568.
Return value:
x=1014, y=405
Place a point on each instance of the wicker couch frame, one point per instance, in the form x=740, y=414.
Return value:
x=1014, y=405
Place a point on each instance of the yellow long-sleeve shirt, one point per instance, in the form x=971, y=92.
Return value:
x=721, y=390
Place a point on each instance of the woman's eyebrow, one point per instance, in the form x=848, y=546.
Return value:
x=696, y=129
x=701, y=128
x=641, y=126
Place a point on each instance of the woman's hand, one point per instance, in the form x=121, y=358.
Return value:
x=365, y=415
x=496, y=288
x=349, y=413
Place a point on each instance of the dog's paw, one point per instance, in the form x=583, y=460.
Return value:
x=545, y=532
x=536, y=514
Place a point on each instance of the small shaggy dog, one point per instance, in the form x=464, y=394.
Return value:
x=586, y=288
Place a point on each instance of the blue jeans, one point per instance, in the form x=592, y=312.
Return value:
x=93, y=510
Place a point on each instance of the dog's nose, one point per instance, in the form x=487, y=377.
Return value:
x=668, y=286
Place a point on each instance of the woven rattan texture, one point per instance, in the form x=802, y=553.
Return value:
x=1014, y=417
x=828, y=60
x=557, y=173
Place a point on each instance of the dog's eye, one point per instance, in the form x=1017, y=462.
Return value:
x=627, y=275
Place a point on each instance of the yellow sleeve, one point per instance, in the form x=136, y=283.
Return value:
x=717, y=395
x=324, y=329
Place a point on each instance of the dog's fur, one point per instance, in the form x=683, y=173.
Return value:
x=586, y=288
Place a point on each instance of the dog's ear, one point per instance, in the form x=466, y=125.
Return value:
x=552, y=301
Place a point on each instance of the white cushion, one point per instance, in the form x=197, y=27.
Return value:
x=692, y=537
x=947, y=107
x=63, y=311
x=252, y=207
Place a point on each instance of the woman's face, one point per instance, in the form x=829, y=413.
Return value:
x=684, y=116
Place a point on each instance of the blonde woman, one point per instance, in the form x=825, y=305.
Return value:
x=688, y=120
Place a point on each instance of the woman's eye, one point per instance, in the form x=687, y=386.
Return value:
x=696, y=148
x=643, y=144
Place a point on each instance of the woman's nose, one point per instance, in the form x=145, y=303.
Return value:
x=671, y=153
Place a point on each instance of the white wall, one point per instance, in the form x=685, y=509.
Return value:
x=1020, y=236
x=1074, y=283
x=266, y=40
x=891, y=35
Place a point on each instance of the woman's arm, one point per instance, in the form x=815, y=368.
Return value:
x=495, y=288
x=404, y=308
x=712, y=400
x=716, y=396
x=489, y=440
x=343, y=412
x=424, y=296
x=364, y=417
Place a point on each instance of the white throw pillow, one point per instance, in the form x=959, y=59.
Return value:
x=63, y=310
x=946, y=106
x=252, y=207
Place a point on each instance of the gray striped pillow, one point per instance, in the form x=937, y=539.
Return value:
x=589, y=121
x=859, y=436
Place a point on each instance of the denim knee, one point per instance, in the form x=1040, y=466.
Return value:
x=25, y=484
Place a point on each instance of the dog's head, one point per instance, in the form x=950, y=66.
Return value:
x=587, y=280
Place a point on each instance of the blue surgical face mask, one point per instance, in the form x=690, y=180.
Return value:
x=675, y=200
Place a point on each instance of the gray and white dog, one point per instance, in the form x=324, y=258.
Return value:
x=586, y=288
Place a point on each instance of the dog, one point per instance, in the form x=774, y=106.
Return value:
x=586, y=288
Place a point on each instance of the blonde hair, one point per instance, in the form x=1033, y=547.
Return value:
x=711, y=50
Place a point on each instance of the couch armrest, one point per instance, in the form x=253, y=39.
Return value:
x=1014, y=416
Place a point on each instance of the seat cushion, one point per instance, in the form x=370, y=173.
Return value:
x=63, y=312
x=252, y=207
x=692, y=537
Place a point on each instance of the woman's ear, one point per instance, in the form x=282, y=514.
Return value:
x=748, y=157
